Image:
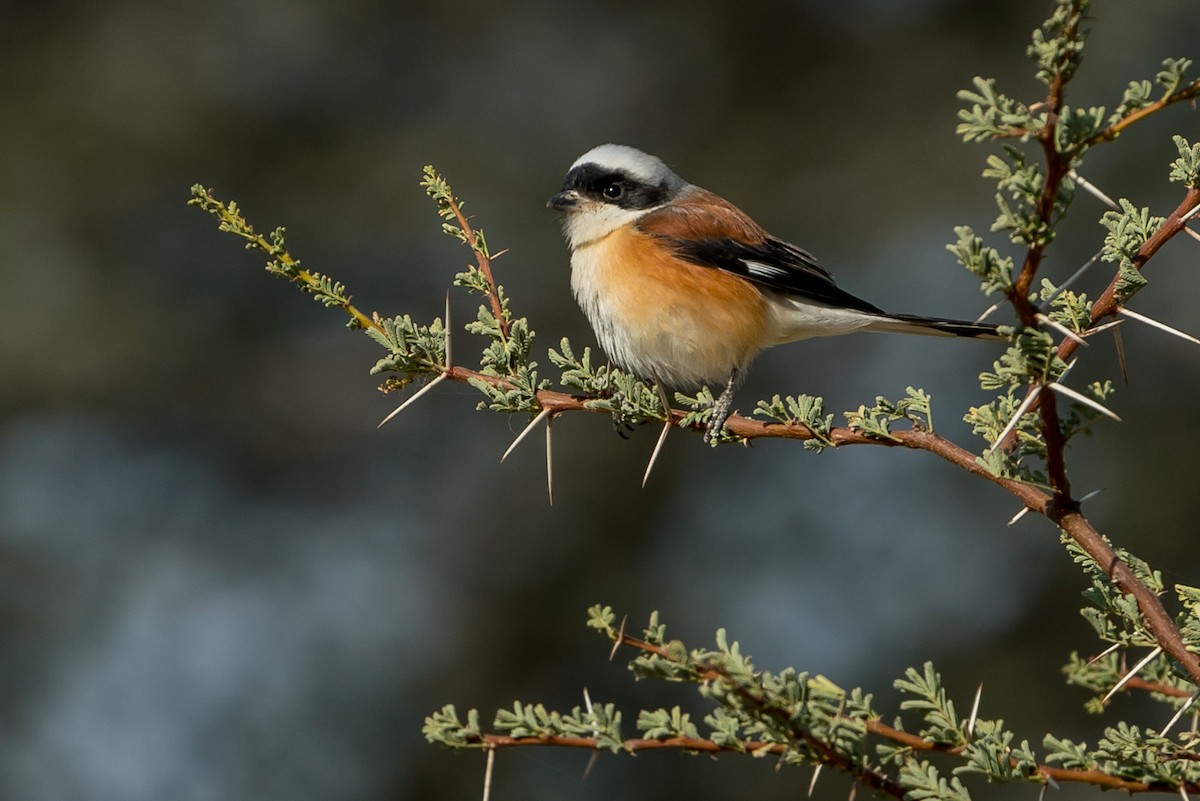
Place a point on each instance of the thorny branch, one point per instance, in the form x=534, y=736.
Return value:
x=874, y=726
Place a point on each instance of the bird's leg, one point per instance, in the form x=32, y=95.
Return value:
x=720, y=410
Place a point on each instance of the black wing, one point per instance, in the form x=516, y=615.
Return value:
x=777, y=265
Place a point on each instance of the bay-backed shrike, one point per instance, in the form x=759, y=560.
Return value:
x=682, y=288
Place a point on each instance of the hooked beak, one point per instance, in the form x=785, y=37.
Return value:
x=564, y=201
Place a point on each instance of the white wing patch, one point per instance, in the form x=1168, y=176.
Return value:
x=763, y=270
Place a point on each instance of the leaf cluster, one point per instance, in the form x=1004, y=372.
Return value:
x=805, y=719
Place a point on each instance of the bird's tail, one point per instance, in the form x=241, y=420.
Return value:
x=933, y=326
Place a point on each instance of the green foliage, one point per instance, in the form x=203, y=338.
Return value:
x=942, y=725
x=804, y=719
x=922, y=781
x=1074, y=311
x=991, y=115
x=1128, y=229
x=995, y=273
x=806, y=410
x=1018, y=198
x=1114, y=615
x=1057, y=46
x=876, y=421
x=1186, y=168
x=1171, y=76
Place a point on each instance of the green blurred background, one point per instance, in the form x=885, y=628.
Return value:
x=218, y=580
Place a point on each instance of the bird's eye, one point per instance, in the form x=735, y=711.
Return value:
x=613, y=191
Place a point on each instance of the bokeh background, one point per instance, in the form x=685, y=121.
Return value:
x=218, y=580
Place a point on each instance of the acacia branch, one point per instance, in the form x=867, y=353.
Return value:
x=1188, y=92
x=484, y=260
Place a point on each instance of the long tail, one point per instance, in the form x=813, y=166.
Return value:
x=933, y=326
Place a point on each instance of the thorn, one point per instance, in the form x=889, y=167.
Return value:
x=1075, y=276
x=441, y=377
x=1091, y=495
x=988, y=312
x=549, y=460
x=620, y=638
x=657, y=448
x=542, y=415
x=1062, y=329
x=587, y=703
x=812, y=785
x=663, y=399
x=1183, y=793
x=487, y=773
x=1190, y=232
x=853, y=792
x=1045, y=787
x=1194, y=211
x=1019, y=515
x=1104, y=327
x=592, y=760
x=497, y=255
x=1133, y=672
x=1119, y=341
x=1171, y=723
x=449, y=362
x=1079, y=397
x=1016, y=418
x=1093, y=191
x=1141, y=318
x=974, y=711
x=1104, y=653
x=1068, y=368
x=1050, y=781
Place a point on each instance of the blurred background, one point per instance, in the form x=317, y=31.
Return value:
x=218, y=580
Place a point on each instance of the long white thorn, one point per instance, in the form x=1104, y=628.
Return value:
x=1171, y=723
x=549, y=461
x=1195, y=210
x=1079, y=397
x=974, y=711
x=1024, y=511
x=542, y=415
x=1132, y=672
x=409, y=402
x=1093, y=191
x=1105, y=327
x=1075, y=276
x=988, y=312
x=812, y=785
x=1104, y=653
x=1190, y=232
x=1042, y=792
x=662, y=437
x=487, y=773
x=1141, y=318
x=619, y=639
x=1017, y=415
x=1119, y=345
x=1062, y=329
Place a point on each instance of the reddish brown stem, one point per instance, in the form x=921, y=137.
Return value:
x=485, y=267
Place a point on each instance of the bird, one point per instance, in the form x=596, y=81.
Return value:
x=683, y=289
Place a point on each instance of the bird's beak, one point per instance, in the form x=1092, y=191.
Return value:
x=565, y=200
